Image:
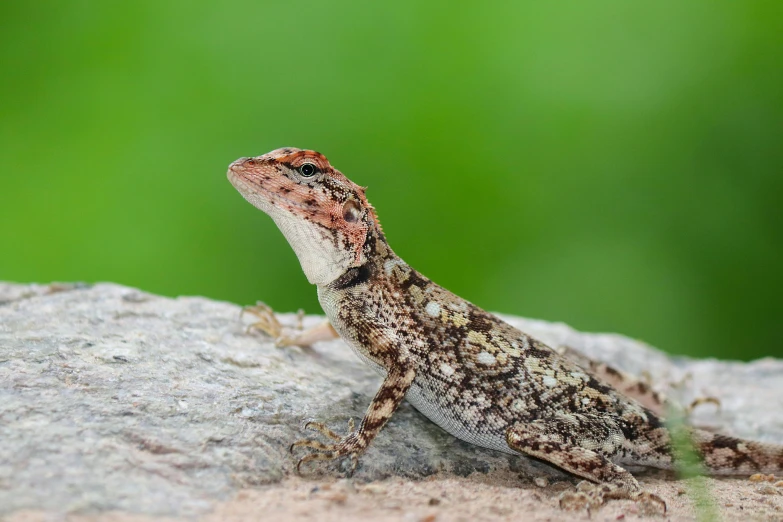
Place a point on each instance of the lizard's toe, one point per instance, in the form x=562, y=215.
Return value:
x=311, y=457
x=322, y=429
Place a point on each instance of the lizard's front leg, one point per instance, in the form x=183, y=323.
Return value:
x=396, y=384
x=268, y=323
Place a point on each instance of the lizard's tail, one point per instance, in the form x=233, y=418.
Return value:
x=724, y=455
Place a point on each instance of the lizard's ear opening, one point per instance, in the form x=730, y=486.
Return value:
x=351, y=211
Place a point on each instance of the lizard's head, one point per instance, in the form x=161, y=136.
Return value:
x=323, y=215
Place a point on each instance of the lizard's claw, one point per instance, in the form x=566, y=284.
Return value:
x=349, y=446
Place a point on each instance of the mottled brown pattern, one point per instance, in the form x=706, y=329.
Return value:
x=474, y=375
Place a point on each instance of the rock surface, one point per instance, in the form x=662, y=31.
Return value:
x=116, y=400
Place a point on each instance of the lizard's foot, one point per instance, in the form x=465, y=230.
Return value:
x=266, y=321
x=349, y=446
x=591, y=496
x=269, y=324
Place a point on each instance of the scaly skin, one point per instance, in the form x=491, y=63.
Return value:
x=474, y=375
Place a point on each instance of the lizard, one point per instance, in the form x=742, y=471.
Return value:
x=474, y=375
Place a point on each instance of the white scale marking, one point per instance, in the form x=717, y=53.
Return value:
x=447, y=370
x=432, y=309
x=486, y=358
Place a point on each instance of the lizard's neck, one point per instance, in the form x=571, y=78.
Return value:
x=379, y=260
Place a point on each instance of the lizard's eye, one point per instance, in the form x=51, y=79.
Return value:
x=307, y=170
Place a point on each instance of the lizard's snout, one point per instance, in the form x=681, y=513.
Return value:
x=241, y=164
x=241, y=169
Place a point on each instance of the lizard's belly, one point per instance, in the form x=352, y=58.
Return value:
x=473, y=431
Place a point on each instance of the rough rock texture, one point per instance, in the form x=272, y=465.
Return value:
x=112, y=399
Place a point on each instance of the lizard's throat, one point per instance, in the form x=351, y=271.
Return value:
x=323, y=254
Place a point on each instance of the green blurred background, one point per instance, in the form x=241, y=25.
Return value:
x=614, y=165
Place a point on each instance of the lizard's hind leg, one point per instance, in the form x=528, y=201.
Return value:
x=578, y=444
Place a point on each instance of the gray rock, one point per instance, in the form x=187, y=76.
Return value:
x=115, y=399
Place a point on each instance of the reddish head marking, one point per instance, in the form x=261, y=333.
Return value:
x=315, y=205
